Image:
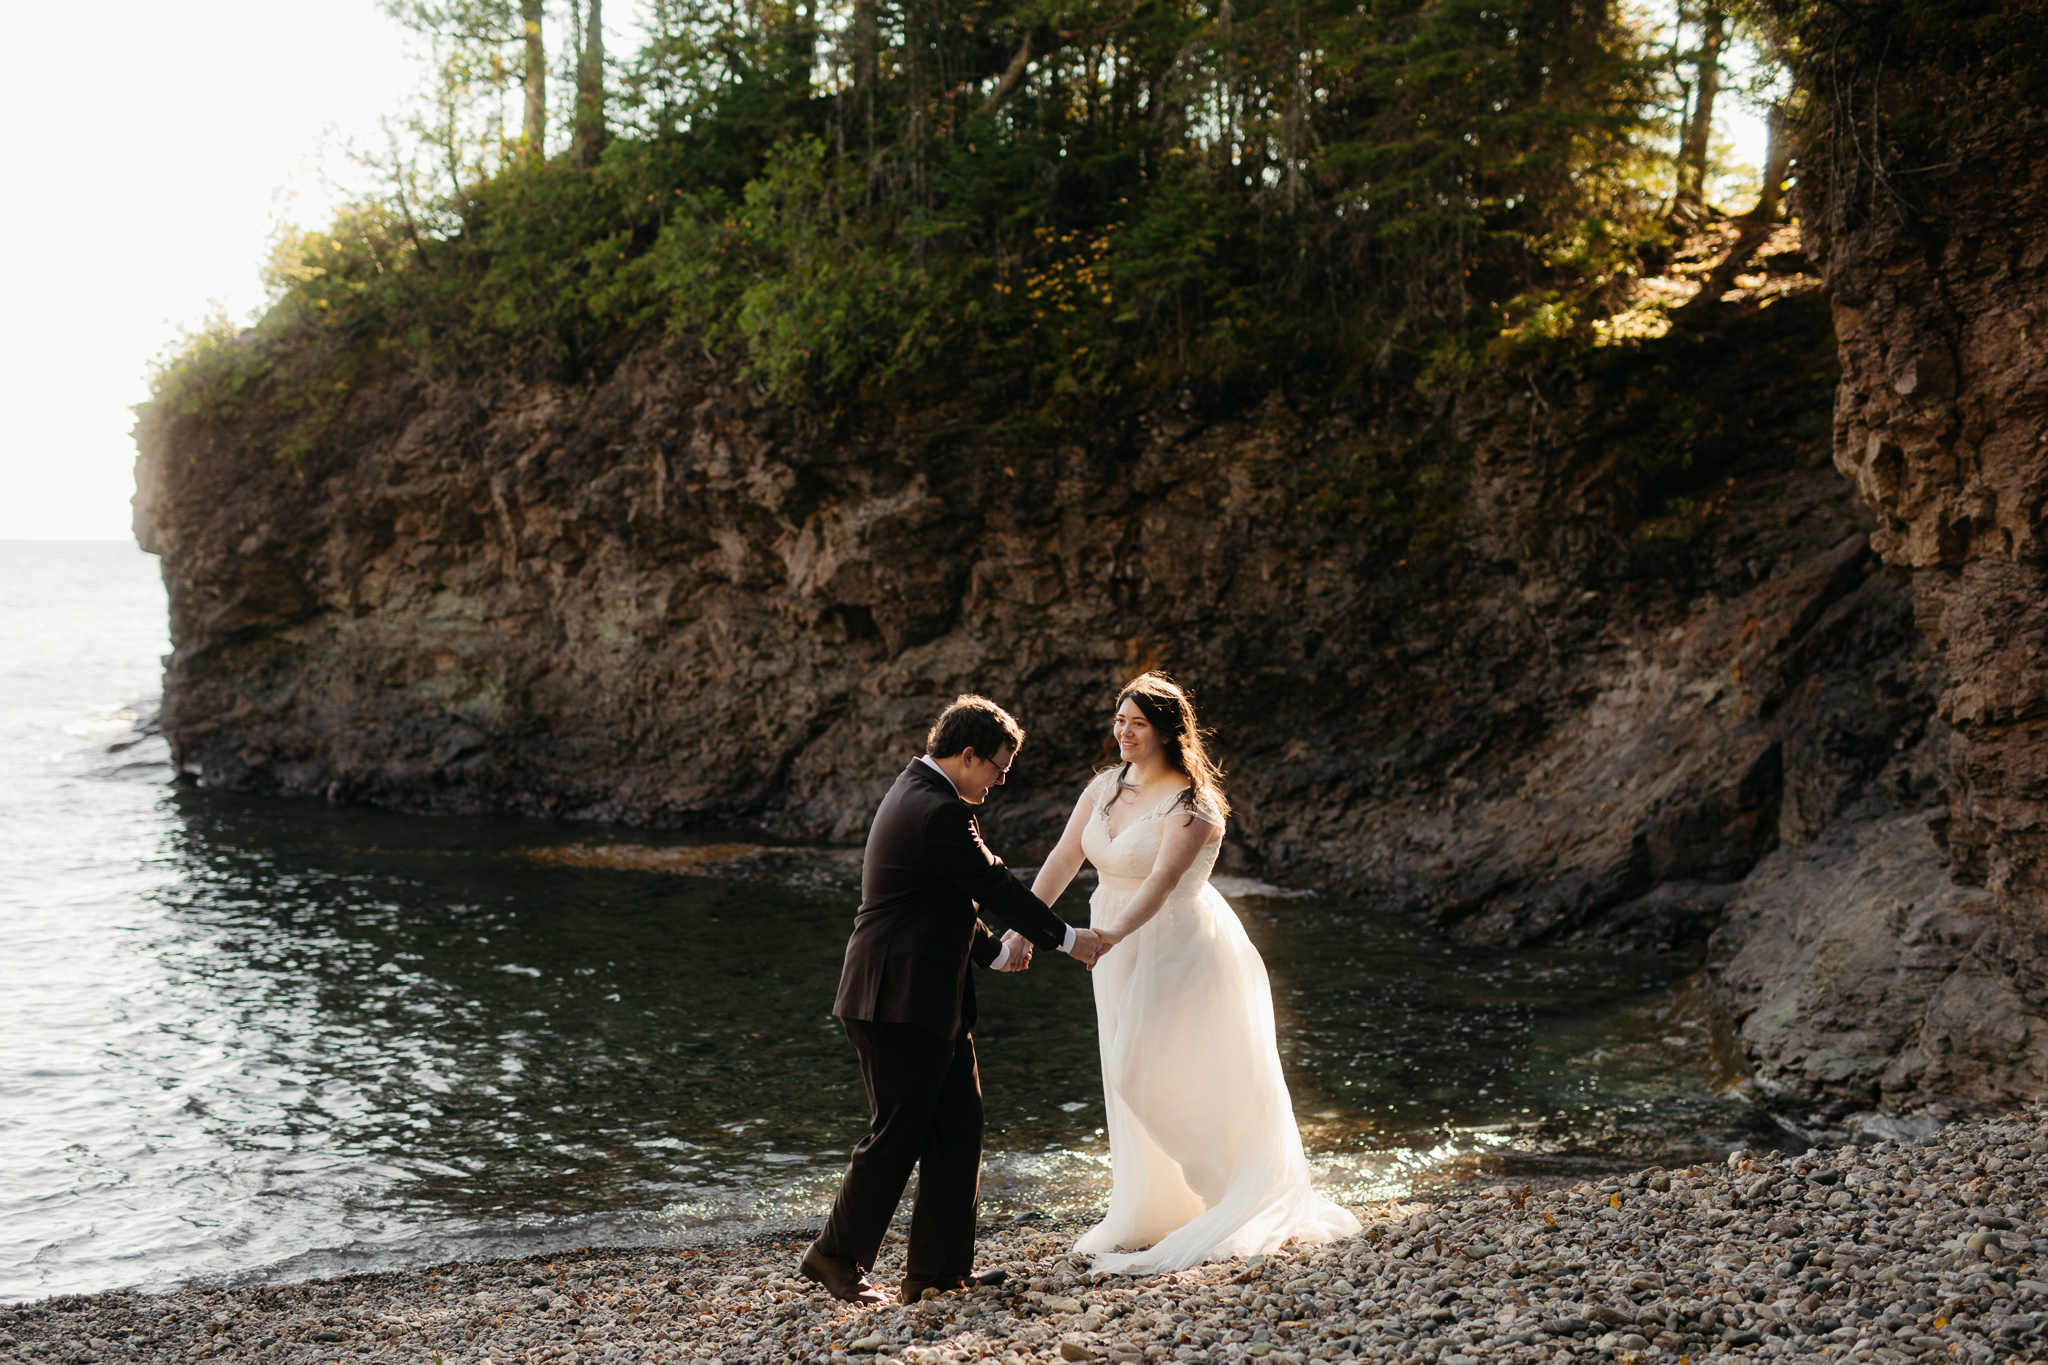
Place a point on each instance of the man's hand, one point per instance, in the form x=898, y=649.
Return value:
x=1089, y=947
x=1020, y=952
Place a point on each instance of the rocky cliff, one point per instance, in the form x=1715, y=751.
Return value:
x=654, y=599
x=1925, y=216
x=1595, y=655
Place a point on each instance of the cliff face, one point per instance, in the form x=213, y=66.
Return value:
x=1485, y=690
x=656, y=600
x=1942, y=422
x=1940, y=290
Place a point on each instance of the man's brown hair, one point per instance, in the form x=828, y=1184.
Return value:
x=976, y=723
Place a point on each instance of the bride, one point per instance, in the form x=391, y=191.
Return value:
x=1204, y=1155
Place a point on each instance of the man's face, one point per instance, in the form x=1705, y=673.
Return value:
x=985, y=775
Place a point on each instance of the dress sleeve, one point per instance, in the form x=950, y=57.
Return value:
x=1102, y=788
x=1205, y=809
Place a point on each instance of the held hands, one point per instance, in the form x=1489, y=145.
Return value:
x=1089, y=946
x=1020, y=952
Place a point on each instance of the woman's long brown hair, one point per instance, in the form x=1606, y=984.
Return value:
x=1172, y=715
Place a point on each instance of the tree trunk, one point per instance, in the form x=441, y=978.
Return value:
x=1777, y=165
x=867, y=41
x=1699, y=130
x=590, y=138
x=533, y=131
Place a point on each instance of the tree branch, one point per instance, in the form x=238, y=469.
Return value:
x=1013, y=76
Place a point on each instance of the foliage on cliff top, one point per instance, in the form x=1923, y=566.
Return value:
x=1890, y=86
x=1033, y=200
x=1973, y=41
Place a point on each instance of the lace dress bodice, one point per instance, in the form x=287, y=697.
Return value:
x=1124, y=861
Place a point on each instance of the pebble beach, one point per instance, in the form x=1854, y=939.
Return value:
x=1927, y=1250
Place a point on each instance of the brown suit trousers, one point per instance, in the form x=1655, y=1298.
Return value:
x=925, y=1095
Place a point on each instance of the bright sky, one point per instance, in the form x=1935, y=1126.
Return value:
x=154, y=205
x=152, y=200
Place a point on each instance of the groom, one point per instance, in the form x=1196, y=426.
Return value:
x=907, y=1004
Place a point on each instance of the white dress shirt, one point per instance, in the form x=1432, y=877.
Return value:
x=1002, y=959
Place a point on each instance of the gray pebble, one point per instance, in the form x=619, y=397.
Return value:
x=1913, y=1249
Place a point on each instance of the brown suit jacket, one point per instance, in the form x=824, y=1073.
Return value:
x=916, y=930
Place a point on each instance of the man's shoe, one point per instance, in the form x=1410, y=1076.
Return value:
x=913, y=1289
x=843, y=1280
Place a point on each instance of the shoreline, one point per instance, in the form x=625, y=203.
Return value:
x=1924, y=1250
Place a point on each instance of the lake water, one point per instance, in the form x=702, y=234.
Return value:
x=278, y=1037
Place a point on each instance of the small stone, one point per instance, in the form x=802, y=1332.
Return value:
x=873, y=1342
x=1074, y=1350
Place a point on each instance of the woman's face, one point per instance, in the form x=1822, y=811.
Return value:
x=1136, y=740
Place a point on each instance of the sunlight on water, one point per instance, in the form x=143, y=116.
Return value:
x=282, y=1037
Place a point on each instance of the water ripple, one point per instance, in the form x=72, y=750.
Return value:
x=280, y=1037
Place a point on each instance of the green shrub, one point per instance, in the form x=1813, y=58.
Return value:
x=1175, y=197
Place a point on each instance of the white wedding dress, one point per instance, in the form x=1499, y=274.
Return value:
x=1205, y=1157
